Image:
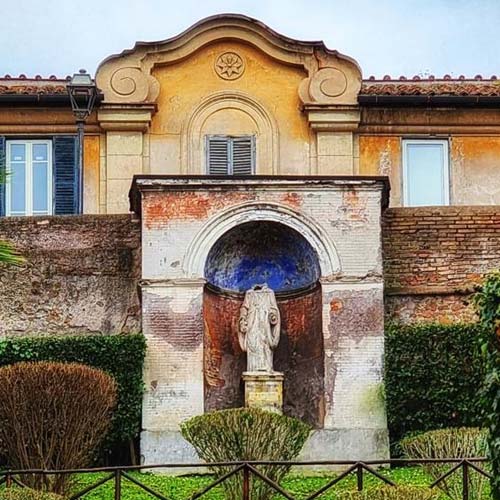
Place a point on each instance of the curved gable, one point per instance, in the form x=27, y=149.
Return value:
x=329, y=77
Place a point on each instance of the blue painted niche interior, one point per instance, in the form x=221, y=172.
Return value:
x=262, y=252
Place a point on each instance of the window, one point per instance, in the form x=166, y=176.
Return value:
x=42, y=176
x=228, y=155
x=29, y=182
x=425, y=173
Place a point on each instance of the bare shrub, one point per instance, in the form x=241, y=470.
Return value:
x=245, y=434
x=464, y=442
x=391, y=493
x=53, y=416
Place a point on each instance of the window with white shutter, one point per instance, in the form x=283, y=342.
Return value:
x=230, y=155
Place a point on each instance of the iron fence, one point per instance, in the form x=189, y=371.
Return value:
x=249, y=469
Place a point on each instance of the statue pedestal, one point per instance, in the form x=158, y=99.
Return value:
x=264, y=390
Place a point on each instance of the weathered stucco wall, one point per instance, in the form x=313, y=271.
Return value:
x=81, y=275
x=185, y=86
x=434, y=258
x=182, y=220
x=474, y=150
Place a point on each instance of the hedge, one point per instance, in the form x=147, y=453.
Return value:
x=433, y=373
x=488, y=306
x=122, y=356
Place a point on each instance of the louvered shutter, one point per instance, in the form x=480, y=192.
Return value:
x=65, y=159
x=243, y=155
x=3, y=172
x=218, y=155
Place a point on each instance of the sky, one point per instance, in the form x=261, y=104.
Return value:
x=396, y=37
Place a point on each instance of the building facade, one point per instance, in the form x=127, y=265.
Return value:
x=269, y=105
x=245, y=156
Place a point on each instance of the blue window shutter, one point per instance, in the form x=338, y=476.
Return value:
x=2, y=176
x=65, y=159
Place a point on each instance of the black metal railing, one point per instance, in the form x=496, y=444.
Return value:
x=360, y=470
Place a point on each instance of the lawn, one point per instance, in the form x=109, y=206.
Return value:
x=179, y=488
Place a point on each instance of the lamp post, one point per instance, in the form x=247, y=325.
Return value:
x=82, y=92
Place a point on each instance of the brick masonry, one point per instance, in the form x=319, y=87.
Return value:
x=81, y=275
x=435, y=257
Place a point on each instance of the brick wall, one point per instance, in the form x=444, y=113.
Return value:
x=434, y=257
x=80, y=276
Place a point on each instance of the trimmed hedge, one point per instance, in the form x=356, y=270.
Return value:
x=122, y=356
x=433, y=373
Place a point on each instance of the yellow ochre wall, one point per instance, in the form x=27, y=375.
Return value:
x=474, y=166
x=185, y=85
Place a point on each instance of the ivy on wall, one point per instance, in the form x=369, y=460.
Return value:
x=433, y=372
x=122, y=356
x=488, y=306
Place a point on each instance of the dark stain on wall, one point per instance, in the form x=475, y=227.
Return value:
x=179, y=329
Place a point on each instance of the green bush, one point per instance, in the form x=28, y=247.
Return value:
x=27, y=494
x=391, y=493
x=432, y=376
x=450, y=443
x=121, y=356
x=243, y=434
x=488, y=306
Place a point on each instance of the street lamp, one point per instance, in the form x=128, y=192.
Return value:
x=82, y=92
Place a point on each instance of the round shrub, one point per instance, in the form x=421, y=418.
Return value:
x=27, y=494
x=246, y=434
x=121, y=356
x=53, y=416
x=450, y=443
x=391, y=493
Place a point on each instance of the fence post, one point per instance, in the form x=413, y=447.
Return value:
x=465, y=480
x=8, y=480
x=359, y=475
x=118, y=484
x=246, y=483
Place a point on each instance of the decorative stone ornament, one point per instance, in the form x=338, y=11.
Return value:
x=229, y=66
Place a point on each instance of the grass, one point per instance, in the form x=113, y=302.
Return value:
x=183, y=487
x=180, y=488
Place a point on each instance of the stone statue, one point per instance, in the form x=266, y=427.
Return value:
x=259, y=328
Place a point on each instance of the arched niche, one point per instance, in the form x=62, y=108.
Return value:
x=234, y=113
x=273, y=253
x=198, y=250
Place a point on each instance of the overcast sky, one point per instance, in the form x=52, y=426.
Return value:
x=385, y=36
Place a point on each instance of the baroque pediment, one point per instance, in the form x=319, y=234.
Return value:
x=331, y=78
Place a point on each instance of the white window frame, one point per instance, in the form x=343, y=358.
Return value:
x=446, y=166
x=29, y=176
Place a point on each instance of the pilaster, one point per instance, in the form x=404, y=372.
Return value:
x=127, y=152
x=334, y=127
